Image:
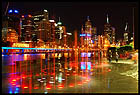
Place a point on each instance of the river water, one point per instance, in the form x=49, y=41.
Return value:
x=71, y=73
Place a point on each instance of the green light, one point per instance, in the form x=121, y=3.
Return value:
x=59, y=23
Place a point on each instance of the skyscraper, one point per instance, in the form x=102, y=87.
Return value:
x=27, y=28
x=88, y=35
x=126, y=34
x=43, y=26
x=60, y=32
x=109, y=31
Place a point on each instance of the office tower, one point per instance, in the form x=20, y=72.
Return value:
x=109, y=31
x=126, y=34
x=27, y=28
x=12, y=35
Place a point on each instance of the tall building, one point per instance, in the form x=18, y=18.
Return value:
x=4, y=28
x=12, y=35
x=109, y=31
x=44, y=28
x=27, y=28
x=126, y=34
x=60, y=33
x=113, y=35
x=12, y=21
x=88, y=34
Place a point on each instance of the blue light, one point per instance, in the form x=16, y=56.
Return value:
x=88, y=35
x=89, y=65
x=10, y=92
x=85, y=35
x=84, y=64
x=16, y=92
x=15, y=11
x=33, y=48
x=86, y=54
x=82, y=34
x=10, y=11
x=17, y=88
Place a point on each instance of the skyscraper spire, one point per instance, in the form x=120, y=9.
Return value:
x=107, y=19
x=126, y=27
x=88, y=18
x=59, y=19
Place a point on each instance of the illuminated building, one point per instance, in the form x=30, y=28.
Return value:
x=4, y=28
x=113, y=35
x=14, y=20
x=11, y=20
x=20, y=45
x=59, y=32
x=126, y=34
x=27, y=28
x=43, y=27
x=109, y=31
x=89, y=34
x=12, y=36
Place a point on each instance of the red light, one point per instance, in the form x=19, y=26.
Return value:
x=29, y=16
x=17, y=85
x=71, y=85
x=14, y=80
x=37, y=74
x=13, y=84
x=68, y=74
x=25, y=87
x=79, y=83
x=22, y=16
x=23, y=77
x=109, y=70
x=36, y=87
x=60, y=86
x=48, y=86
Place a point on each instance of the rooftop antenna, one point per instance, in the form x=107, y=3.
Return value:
x=59, y=19
x=126, y=27
x=6, y=8
x=107, y=19
x=88, y=18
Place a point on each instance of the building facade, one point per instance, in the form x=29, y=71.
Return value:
x=109, y=31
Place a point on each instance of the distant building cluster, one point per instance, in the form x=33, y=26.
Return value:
x=38, y=30
x=89, y=37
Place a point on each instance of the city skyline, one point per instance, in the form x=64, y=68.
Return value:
x=69, y=47
x=74, y=14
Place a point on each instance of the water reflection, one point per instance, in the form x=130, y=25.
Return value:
x=62, y=72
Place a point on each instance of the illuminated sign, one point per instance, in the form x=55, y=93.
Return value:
x=15, y=11
x=45, y=11
x=85, y=54
x=85, y=35
x=20, y=45
x=11, y=11
x=29, y=15
x=51, y=20
x=84, y=64
x=59, y=23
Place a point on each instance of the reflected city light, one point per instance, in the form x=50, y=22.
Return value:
x=41, y=55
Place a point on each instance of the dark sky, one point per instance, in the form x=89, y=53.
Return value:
x=74, y=14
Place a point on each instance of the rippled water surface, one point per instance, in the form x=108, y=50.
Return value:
x=47, y=73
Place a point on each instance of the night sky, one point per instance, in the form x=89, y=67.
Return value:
x=74, y=14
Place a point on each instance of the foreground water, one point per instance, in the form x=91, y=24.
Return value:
x=40, y=73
